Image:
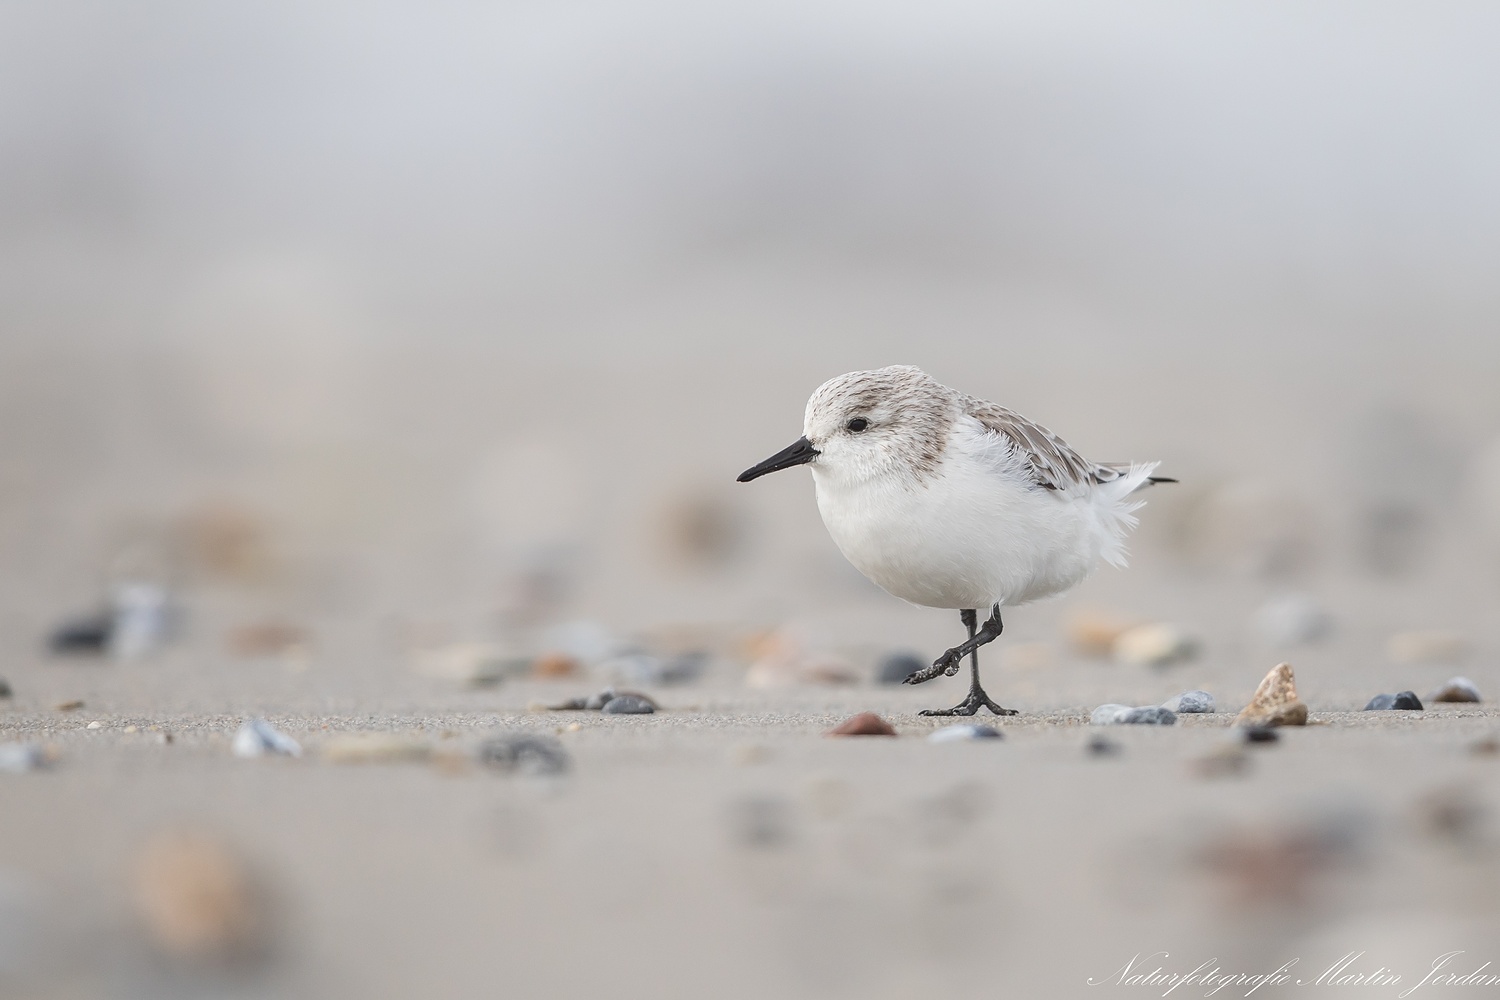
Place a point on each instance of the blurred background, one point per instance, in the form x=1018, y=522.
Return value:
x=363, y=330
x=436, y=300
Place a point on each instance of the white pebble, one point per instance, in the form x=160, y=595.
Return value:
x=1108, y=715
x=257, y=736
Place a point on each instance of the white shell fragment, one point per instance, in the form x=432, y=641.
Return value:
x=257, y=737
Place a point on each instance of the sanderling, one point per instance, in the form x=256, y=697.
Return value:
x=948, y=501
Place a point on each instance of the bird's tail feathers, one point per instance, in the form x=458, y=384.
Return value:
x=1115, y=507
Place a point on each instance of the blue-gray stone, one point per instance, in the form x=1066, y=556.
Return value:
x=1148, y=715
x=628, y=704
x=1190, y=702
x=954, y=734
x=1406, y=701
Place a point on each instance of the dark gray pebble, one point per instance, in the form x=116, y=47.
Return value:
x=82, y=635
x=1406, y=701
x=524, y=754
x=1261, y=734
x=1101, y=747
x=5, y=691
x=628, y=704
x=897, y=667
x=1149, y=715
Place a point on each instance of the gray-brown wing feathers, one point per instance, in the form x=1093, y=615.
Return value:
x=1054, y=464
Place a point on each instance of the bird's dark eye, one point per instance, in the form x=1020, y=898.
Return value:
x=857, y=424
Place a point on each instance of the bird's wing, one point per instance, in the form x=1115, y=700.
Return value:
x=1051, y=461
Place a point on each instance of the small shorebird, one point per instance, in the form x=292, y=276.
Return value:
x=949, y=501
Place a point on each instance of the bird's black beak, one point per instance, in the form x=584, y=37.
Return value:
x=799, y=452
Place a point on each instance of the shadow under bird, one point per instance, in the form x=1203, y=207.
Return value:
x=948, y=501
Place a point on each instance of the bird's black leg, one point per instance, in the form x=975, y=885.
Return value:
x=949, y=661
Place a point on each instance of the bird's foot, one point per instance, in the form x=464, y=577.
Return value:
x=948, y=664
x=976, y=700
x=926, y=673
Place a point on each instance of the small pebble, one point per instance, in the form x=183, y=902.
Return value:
x=374, y=748
x=956, y=734
x=1261, y=734
x=1458, y=689
x=257, y=737
x=1190, y=703
x=1094, y=633
x=550, y=666
x=761, y=822
x=863, y=724
x=1406, y=701
x=131, y=729
x=1155, y=645
x=475, y=664
x=1108, y=715
x=1148, y=715
x=1427, y=647
x=646, y=669
x=5, y=691
x=1292, y=620
x=268, y=639
x=69, y=706
x=1124, y=715
x=82, y=635
x=897, y=667
x=18, y=758
x=1275, y=702
x=524, y=754
x=198, y=898
x=628, y=704
x=1101, y=747
x=1227, y=761
x=96, y=724
x=596, y=702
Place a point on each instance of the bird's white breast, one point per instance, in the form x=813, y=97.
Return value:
x=976, y=532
